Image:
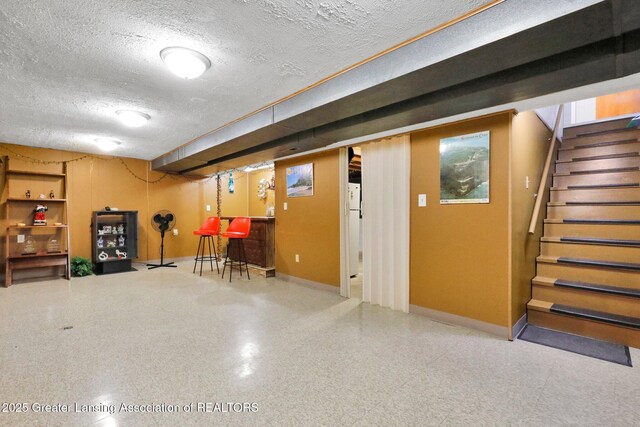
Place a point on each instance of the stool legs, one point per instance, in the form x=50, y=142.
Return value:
x=197, y=254
x=213, y=255
x=239, y=243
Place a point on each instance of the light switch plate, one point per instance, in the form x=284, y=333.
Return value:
x=208, y=208
x=285, y=206
x=422, y=200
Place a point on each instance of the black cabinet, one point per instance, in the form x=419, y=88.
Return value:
x=114, y=242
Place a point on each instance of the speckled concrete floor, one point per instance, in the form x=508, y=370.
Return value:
x=304, y=356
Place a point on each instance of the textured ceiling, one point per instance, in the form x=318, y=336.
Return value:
x=67, y=66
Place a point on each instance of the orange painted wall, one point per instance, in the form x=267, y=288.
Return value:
x=618, y=104
x=529, y=147
x=310, y=226
x=460, y=253
x=98, y=181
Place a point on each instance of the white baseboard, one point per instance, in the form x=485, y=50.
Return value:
x=454, y=319
x=519, y=326
x=309, y=283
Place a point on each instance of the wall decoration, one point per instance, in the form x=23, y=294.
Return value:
x=29, y=247
x=300, y=180
x=464, y=169
x=263, y=185
x=38, y=217
x=231, y=184
x=27, y=195
x=53, y=245
x=52, y=195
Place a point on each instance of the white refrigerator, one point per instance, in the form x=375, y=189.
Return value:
x=354, y=229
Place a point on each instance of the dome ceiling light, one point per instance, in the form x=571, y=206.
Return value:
x=133, y=119
x=185, y=63
x=107, y=144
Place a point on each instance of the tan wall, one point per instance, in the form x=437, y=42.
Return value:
x=95, y=182
x=311, y=225
x=618, y=104
x=258, y=206
x=460, y=253
x=530, y=143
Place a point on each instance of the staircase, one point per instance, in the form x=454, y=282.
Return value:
x=588, y=271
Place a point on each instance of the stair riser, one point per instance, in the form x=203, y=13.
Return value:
x=590, y=165
x=614, y=304
x=610, y=125
x=596, y=195
x=604, y=137
x=583, y=327
x=627, y=232
x=577, y=153
x=599, y=252
x=586, y=274
x=599, y=179
x=594, y=212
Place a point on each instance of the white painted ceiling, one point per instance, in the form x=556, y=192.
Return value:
x=67, y=66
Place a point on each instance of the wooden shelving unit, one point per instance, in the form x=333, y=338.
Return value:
x=19, y=209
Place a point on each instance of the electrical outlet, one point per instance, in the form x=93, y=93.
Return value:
x=208, y=208
x=297, y=258
x=285, y=206
x=175, y=231
x=20, y=238
x=422, y=200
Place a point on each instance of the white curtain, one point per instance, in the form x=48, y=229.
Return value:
x=385, y=219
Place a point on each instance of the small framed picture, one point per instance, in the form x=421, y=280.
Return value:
x=300, y=180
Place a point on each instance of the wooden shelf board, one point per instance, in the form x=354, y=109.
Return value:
x=33, y=173
x=41, y=255
x=22, y=199
x=20, y=227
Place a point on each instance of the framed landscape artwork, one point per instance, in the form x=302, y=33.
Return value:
x=464, y=169
x=300, y=180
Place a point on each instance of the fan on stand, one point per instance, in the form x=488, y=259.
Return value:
x=162, y=221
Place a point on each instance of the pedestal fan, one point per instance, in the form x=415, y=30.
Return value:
x=162, y=221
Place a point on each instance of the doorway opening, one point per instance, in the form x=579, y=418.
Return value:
x=354, y=201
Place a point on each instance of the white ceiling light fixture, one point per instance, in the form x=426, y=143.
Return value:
x=133, y=119
x=184, y=62
x=107, y=144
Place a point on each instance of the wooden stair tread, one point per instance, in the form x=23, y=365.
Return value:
x=539, y=305
x=601, y=132
x=584, y=286
x=597, y=171
x=600, y=144
x=597, y=186
x=602, y=157
x=591, y=240
x=599, y=316
x=592, y=221
x=588, y=262
x=596, y=287
x=599, y=263
x=596, y=203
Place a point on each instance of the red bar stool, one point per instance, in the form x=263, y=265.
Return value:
x=210, y=228
x=237, y=231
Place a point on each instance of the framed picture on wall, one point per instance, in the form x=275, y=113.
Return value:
x=464, y=169
x=300, y=180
